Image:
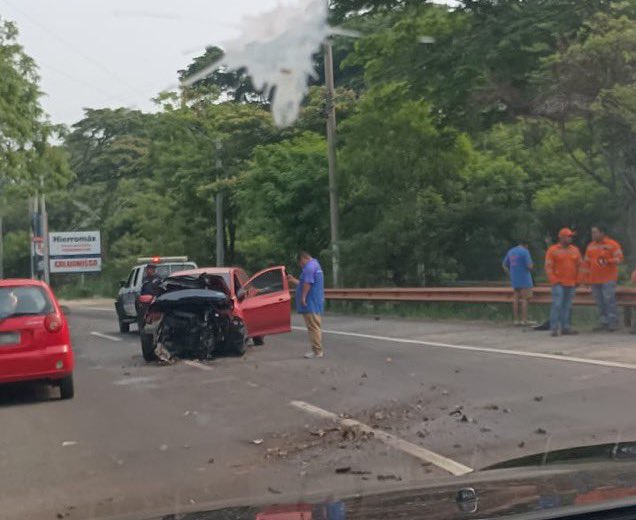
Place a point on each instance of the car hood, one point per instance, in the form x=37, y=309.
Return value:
x=587, y=478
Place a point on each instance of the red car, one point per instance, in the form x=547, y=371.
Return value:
x=203, y=311
x=35, y=343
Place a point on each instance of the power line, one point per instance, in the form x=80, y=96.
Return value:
x=86, y=57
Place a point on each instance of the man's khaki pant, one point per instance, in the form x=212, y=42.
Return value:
x=313, y=323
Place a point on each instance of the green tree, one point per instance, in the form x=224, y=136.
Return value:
x=284, y=198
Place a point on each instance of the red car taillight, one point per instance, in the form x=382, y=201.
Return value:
x=53, y=323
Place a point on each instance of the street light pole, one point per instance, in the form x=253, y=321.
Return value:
x=331, y=156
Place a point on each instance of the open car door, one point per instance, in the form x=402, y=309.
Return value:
x=266, y=307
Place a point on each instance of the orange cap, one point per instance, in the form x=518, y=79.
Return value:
x=566, y=232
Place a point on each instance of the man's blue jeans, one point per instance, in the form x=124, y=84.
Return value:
x=605, y=297
x=561, y=310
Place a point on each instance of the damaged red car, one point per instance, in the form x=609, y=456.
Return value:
x=204, y=312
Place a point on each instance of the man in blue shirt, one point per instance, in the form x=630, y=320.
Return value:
x=518, y=265
x=310, y=300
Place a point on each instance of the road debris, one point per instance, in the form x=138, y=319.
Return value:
x=506, y=410
x=66, y=444
x=364, y=374
x=456, y=412
x=540, y=431
x=445, y=392
x=484, y=430
x=491, y=407
x=390, y=476
x=273, y=490
x=211, y=460
x=343, y=470
x=521, y=444
x=422, y=433
x=257, y=441
x=538, y=398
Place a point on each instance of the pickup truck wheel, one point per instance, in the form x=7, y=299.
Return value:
x=124, y=327
x=258, y=340
x=67, y=389
x=148, y=347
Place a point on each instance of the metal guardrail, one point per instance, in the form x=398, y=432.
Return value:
x=626, y=296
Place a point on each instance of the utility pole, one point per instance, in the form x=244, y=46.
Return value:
x=45, y=237
x=1, y=249
x=331, y=156
x=220, y=226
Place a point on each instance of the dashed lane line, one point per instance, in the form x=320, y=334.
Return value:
x=489, y=350
x=105, y=336
x=451, y=466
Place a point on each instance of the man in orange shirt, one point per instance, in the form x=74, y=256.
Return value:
x=562, y=264
x=601, y=263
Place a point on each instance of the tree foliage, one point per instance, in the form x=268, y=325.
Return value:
x=518, y=119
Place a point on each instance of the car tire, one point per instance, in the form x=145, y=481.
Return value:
x=258, y=340
x=147, y=347
x=67, y=388
x=236, y=344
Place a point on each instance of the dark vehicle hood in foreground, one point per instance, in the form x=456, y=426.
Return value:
x=591, y=478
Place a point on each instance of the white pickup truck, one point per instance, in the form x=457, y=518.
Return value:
x=125, y=305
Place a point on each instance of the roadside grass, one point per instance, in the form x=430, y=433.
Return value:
x=90, y=289
x=583, y=317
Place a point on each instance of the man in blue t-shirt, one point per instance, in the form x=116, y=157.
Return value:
x=310, y=300
x=518, y=265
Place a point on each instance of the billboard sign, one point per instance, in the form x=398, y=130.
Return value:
x=75, y=251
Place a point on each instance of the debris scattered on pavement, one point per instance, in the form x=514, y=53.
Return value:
x=359, y=472
x=491, y=407
x=211, y=460
x=456, y=412
x=69, y=443
x=457, y=370
x=538, y=398
x=457, y=446
x=422, y=433
x=389, y=477
x=540, y=431
x=506, y=410
x=364, y=374
x=190, y=412
x=343, y=470
x=484, y=430
x=334, y=388
x=378, y=416
x=126, y=373
x=273, y=490
x=257, y=441
x=445, y=392
x=376, y=318
x=521, y=444
x=465, y=418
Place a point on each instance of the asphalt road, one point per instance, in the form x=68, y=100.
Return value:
x=393, y=403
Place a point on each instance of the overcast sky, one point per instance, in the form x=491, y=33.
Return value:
x=96, y=53
x=109, y=53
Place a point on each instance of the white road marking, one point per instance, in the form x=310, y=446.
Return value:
x=451, y=466
x=105, y=336
x=507, y=352
x=197, y=364
x=134, y=381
